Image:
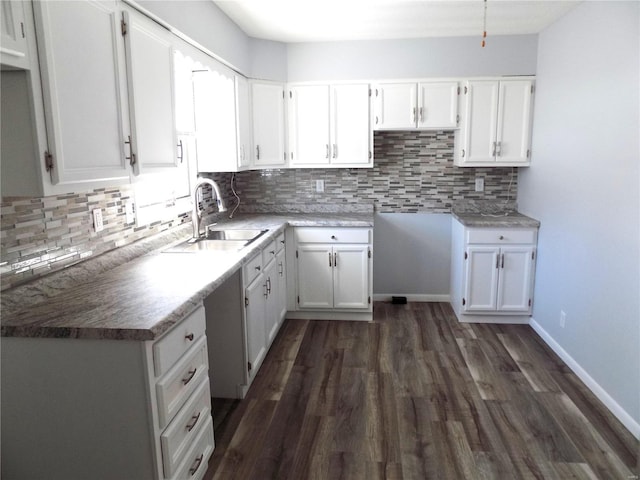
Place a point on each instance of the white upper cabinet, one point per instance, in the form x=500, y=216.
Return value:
x=13, y=34
x=329, y=125
x=215, y=114
x=267, y=102
x=423, y=105
x=496, y=123
x=150, y=59
x=243, y=122
x=82, y=63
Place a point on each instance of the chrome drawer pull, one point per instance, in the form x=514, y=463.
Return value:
x=190, y=377
x=189, y=337
x=196, y=465
x=195, y=419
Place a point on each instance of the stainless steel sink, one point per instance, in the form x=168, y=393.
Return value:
x=246, y=234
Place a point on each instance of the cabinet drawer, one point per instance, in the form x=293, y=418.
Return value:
x=332, y=235
x=179, y=435
x=178, y=340
x=501, y=236
x=269, y=253
x=252, y=269
x=177, y=385
x=280, y=242
x=195, y=462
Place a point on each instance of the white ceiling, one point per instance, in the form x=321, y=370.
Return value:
x=329, y=20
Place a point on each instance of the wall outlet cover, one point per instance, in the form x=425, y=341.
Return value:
x=479, y=184
x=319, y=186
x=98, y=225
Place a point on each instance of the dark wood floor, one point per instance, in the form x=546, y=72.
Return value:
x=417, y=395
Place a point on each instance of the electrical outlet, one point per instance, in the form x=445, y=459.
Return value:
x=128, y=212
x=319, y=185
x=479, y=184
x=563, y=318
x=97, y=220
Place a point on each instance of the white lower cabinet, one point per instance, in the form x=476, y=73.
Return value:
x=119, y=408
x=492, y=273
x=333, y=270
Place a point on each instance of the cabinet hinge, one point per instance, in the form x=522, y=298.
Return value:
x=464, y=302
x=369, y=300
x=466, y=255
x=48, y=161
x=246, y=301
x=123, y=26
x=249, y=367
x=369, y=252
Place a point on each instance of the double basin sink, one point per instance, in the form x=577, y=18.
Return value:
x=219, y=240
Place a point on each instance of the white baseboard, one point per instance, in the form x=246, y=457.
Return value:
x=621, y=414
x=411, y=297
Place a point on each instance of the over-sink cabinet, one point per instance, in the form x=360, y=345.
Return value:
x=108, y=409
x=492, y=273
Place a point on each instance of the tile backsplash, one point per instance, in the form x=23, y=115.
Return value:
x=413, y=172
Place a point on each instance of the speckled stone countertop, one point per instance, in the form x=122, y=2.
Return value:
x=141, y=298
x=505, y=220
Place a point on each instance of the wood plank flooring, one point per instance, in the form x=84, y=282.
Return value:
x=417, y=395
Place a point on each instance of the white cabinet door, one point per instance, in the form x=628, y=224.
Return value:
x=255, y=295
x=514, y=285
x=309, y=125
x=350, y=128
x=351, y=276
x=82, y=63
x=315, y=276
x=395, y=106
x=437, y=104
x=271, y=301
x=481, y=279
x=267, y=101
x=481, y=122
x=13, y=38
x=243, y=120
x=150, y=82
x=514, y=121
x=281, y=271
x=215, y=117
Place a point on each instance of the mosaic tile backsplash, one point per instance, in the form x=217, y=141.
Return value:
x=413, y=172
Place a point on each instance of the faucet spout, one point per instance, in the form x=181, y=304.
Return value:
x=196, y=215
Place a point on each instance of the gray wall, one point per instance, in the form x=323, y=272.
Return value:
x=583, y=187
x=425, y=57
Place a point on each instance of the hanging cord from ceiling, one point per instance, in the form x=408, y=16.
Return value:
x=484, y=24
x=233, y=189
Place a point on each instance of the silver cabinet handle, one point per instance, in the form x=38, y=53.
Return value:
x=196, y=465
x=502, y=261
x=190, y=377
x=327, y=145
x=181, y=155
x=498, y=261
x=499, y=146
x=335, y=150
x=257, y=152
x=421, y=115
x=194, y=419
x=414, y=114
x=189, y=337
x=330, y=265
x=493, y=154
x=335, y=259
x=132, y=156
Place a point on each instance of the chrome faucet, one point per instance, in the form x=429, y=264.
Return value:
x=196, y=216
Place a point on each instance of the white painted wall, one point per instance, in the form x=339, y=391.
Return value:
x=424, y=57
x=583, y=186
x=412, y=254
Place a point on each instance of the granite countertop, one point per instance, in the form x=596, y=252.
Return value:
x=144, y=297
x=500, y=220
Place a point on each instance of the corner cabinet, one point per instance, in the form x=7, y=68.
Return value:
x=329, y=126
x=492, y=273
x=333, y=273
x=422, y=105
x=119, y=408
x=495, y=123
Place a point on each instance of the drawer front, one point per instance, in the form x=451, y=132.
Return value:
x=269, y=253
x=332, y=235
x=252, y=269
x=196, y=461
x=501, y=236
x=178, y=340
x=179, y=435
x=280, y=242
x=178, y=384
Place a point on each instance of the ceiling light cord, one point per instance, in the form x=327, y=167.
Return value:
x=484, y=24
